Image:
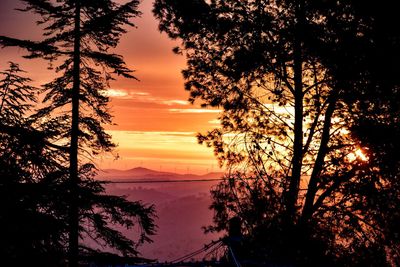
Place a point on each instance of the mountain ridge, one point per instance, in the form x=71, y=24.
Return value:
x=141, y=173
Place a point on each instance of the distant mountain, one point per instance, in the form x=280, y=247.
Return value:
x=140, y=173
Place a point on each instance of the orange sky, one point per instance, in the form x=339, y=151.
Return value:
x=155, y=124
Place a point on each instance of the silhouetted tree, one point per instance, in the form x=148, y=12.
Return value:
x=296, y=172
x=31, y=198
x=373, y=73
x=77, y=36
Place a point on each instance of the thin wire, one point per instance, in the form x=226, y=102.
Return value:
x=190, y=255
x=234, y=258
x=203, y=249
x=214, y=250
x=197, y=252
x=176, y=181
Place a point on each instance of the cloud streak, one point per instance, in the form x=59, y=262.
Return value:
x=194, y=110
x=143, y=97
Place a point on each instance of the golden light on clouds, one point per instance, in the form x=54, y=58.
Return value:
x=176, y=102
x=116, y=93
x=194, y=110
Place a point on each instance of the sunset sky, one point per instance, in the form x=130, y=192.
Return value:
x=155, y=125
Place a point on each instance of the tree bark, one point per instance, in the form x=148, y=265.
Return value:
x=73, y=157
x=294, y=181
x=319, y=161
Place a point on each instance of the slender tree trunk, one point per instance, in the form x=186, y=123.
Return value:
x=319, y=161
x=292, y=194
x=73, y=168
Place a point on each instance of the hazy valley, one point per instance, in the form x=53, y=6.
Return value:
x=182, y=208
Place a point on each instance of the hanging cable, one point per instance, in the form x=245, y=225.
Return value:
x=197, y=252
x=233, y=257
x=213, y=250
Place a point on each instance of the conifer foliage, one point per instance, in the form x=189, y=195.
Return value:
x=31, y=178
x=77, y=37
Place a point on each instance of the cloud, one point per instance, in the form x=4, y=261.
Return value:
x=193, y=110
x=175, y=102
x=159, y=133
x=139, y=94
x=124, y=94
x=115, y=93
x=143, y=97
x=216, y=121
x=154, y=140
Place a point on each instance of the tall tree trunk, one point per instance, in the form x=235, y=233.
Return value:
x=73, y=157
x=319, y=161
x=292, y=194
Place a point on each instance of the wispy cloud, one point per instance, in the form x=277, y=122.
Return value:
x=175, y=102
x=115, y=93
x=216, y=121
x=193, y=110
x=139, y=94
x=143, y=97
x=124, y=94
x=158, y=133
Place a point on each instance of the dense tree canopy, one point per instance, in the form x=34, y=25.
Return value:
x=294, y=80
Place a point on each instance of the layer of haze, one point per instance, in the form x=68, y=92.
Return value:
x=155, y=125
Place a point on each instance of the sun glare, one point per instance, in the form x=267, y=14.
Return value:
x=358, y=154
